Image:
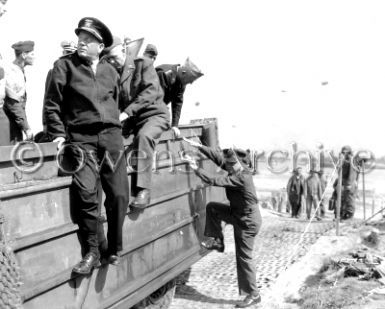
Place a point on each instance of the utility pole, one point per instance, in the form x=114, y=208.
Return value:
x=339, y=192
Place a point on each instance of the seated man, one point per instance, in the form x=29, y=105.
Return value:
x=243, y=213
x=81, y=109
x=173, y=79
x=143, y=110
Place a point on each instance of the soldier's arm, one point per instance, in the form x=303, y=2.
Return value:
x=213, y=154
x=289, y=184
x=233, y=181
x=16, y=111
x=147, y=90
x=177, y=103
x=53, y=101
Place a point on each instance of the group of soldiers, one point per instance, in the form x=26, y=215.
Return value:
x=94, y=94
x=312, y=190
x=93, y=90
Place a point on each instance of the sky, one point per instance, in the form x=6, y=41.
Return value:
x=275, y=71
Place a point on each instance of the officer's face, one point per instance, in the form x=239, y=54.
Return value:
x=29, y=58
x=117, y=56
x=89, y=47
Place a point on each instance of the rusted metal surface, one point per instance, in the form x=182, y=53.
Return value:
x=159, y=242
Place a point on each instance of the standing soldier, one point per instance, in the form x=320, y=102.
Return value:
x=173, y=79
x=349, y=184
x=243, y=213
x=295, y=191
x=313, y=194
x=81, y=108
x=15, y=91
x=143, y=111
x=323, y=181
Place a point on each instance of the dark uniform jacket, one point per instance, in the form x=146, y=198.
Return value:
x=295, y=186
x=141, y=95
x=173, y=89
x=239, y=187
x=75, y=100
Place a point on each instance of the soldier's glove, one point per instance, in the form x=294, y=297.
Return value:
x=60, y=140
x=123, y=116
x=176, y=131
x=28, y=135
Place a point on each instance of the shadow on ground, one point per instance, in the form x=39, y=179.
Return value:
x=187, y=292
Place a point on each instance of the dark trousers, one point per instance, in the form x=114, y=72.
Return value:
x=5, y=129
x=348, y=204
x=246, y=227
x=312, y=202
x=99, y=158
x=295, y=203
x=147, y=134
x=12, y=131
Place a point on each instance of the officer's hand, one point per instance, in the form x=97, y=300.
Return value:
x=123, y=116
x=192, y=143
x=193, y=164
x=176, y=131
x=60, y=140
x=28, y=135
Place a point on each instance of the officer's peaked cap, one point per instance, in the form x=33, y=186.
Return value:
x=95, y=27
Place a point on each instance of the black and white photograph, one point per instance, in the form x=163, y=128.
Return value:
x=192, y=154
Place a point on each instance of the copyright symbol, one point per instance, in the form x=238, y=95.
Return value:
x=22, y=155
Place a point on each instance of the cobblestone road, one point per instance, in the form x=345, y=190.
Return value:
x=212, y=282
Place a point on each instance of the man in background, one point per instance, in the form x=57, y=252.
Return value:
x=150, y=52
x=295, y=191
x=174, y=79
x=15, y=92
x=313, y=194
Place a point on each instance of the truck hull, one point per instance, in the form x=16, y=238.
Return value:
x=159, y=242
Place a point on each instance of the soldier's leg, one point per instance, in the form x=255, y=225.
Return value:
x=145, y=142
x=115, y=185
x=292, y=202
x=244, y=235
x=309, y=205
x=85, y=199
x=215, y=214
x=347, y=204
x=316, y=207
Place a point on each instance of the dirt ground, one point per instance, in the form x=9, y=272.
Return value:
x=303, y=285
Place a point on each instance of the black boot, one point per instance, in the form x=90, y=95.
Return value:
x=142, y=199
x=87, y=264
x=214, y=244
x=248, y=301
